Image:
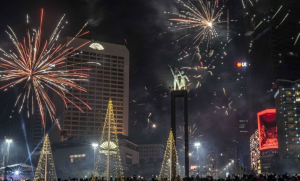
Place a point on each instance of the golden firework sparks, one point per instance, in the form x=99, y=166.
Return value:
x=201, y=21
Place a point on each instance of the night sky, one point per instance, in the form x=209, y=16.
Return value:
x=139, y=22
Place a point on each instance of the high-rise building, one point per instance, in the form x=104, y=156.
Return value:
x=273, y=43
x=37, y=132
x=243, y=142
x=108, y=79
x=272, y=35
x=287, y=103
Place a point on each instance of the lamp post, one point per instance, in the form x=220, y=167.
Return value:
x=6, y=157
x=8, y=141
x=95, y=146
x=153, y=126
x=197, y=145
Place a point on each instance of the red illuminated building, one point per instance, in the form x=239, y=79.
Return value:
x=267, y=129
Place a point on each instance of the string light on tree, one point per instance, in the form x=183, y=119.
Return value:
x=46, y=168
x=108, y=161
x=170, y=157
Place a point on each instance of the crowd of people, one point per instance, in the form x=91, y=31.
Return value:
x=270, y=177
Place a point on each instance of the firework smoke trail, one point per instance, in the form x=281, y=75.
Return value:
x=201, y=21
x=227, y=106
x=41, y=67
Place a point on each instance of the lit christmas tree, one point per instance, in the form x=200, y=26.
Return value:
x=108, y=162
x=169, y=170
x=46, y=168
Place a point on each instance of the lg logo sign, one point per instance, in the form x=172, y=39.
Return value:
x=241, y=64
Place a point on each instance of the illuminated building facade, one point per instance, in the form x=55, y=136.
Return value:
x=255, y=153
x=267, y=129
x=264, y=142
x=108, y=79
x=287, y=103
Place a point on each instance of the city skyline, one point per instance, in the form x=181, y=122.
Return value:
x=137, y=54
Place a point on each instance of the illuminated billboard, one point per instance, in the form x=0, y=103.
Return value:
x=267, y=129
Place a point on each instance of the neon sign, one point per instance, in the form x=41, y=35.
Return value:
x=241, y=64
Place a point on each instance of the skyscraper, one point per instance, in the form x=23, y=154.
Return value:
x=273, y=41
x=287, y=102
x=272, y=34
x=243, y=143
x=36, y=131
x=108, y=79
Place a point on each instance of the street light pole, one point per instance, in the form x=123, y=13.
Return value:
x=6, y=157
x=94, y=156
x=8, y=141
x=197, y=145
x=95, y=146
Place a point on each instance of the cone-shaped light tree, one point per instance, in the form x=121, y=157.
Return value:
x=108, y=161
x=168, y=169
x=46, y=169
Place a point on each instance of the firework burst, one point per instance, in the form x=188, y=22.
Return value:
x=201, y=22
x=41, y=67
x=224, y=102
x=192, y=130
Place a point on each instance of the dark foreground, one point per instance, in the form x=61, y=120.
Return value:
x=273, y=177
